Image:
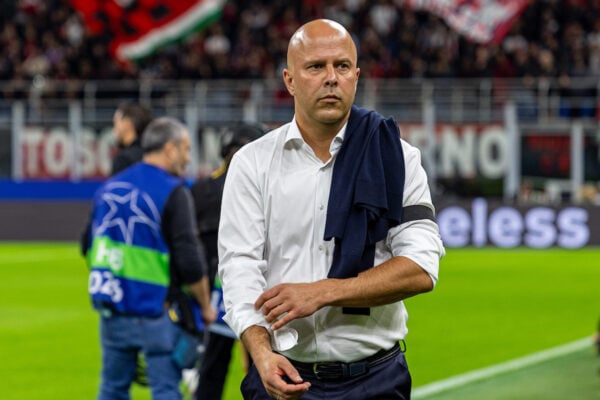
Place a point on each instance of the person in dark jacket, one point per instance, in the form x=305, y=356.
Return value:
x=129, y=121
x=207, y=194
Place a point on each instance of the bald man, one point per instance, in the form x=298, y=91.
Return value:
x=327, y=224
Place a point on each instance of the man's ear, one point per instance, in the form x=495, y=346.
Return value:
x=170, y=148
x=289, y=82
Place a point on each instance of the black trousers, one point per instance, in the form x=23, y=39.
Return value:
x=214, y=367
x=389, y=380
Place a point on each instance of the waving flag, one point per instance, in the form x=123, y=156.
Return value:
x=137, y=28
x=483, y=21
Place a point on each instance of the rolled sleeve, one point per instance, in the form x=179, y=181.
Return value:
x=241, y=245
x=418, y=240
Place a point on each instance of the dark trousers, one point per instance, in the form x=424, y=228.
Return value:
x=214, y=366
x=389, y=380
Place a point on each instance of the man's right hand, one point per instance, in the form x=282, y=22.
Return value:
x=201, y=292
x=209, y=315
x=273, y=367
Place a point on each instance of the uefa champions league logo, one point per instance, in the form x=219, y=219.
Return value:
x=142, y=209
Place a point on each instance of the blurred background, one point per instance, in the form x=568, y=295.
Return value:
x=501, y=97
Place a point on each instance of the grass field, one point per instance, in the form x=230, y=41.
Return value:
x=574, y=375
x=490, y=306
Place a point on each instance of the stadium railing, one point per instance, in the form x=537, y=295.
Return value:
x=75, y=117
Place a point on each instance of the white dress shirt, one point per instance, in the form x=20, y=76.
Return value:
x=271, y=231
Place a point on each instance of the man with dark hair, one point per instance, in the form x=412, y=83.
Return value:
x=129, y=121
x=143, y=243
x=207, y=200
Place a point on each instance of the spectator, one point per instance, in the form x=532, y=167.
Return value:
x=407, y=44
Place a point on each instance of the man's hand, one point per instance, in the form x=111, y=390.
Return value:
x=201, y=292
x=394, y=280
x=287, y=301
x=209, y=315
x=279, y=377
x=273, y=369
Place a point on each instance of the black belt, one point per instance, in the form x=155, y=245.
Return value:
x=335, y=370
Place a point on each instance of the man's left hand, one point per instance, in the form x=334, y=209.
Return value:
x=287, y=301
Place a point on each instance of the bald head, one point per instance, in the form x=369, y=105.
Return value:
x=319, y=32
x=322, y=76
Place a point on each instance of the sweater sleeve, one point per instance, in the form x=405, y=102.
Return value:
x=188, y=262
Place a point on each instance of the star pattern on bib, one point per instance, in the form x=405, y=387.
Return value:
x=136, y=201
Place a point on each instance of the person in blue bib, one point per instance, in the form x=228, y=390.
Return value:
x=327, y=225
x=142, y=242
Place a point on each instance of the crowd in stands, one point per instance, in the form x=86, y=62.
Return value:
x=552, y=38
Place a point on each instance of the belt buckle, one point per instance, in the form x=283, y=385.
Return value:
x=326, y=375
x=315, y=369
x=339, y=370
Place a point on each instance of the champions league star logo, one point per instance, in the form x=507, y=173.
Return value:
x=140, y=206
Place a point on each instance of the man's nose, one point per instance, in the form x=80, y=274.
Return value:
x=331, y=78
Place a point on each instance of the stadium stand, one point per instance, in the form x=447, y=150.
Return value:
x=550, y=39
x=553, y=49
x=548, y=63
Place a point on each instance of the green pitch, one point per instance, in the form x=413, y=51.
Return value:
x=490, y=306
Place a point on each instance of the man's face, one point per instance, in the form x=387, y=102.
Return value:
x=119, y=128
x=322, y=76
x=179, y=155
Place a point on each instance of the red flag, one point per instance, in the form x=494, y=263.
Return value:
x=137, y=28
x=483, y=21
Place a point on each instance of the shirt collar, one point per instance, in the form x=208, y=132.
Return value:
x=293, y=136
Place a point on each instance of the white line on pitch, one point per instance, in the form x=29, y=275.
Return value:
x=424, y=391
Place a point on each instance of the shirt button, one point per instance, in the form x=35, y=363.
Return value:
x=321, y=248
x=321, y=206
